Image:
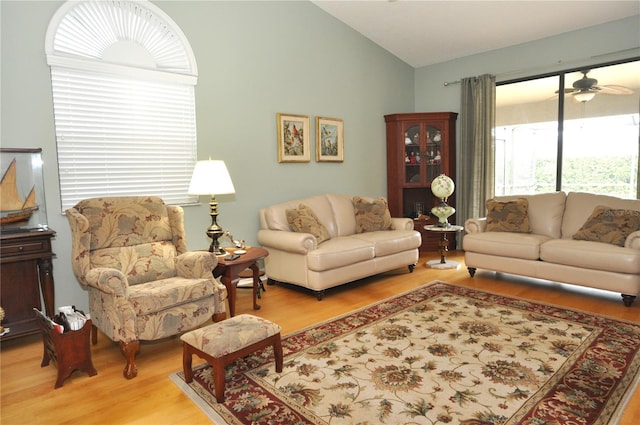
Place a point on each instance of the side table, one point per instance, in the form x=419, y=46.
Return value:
x=229, y=271
x=443, y=246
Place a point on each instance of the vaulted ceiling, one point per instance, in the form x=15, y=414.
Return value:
x=425, y=32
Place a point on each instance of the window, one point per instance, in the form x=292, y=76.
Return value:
x=586, y=140
x=123, y=78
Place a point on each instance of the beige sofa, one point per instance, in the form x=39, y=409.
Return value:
x=298, y=258
x=550, y=251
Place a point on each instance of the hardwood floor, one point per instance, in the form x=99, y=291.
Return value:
x=28, y=396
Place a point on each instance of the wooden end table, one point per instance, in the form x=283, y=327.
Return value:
x=229, y=271
x=443, y=246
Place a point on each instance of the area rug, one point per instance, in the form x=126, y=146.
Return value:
x=438, y=354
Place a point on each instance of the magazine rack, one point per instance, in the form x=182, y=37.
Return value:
x=69, y=351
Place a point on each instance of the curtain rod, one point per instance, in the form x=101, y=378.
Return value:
x=540, y=68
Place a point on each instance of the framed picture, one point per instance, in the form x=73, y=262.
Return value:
x=329, y=140
x=293, y=138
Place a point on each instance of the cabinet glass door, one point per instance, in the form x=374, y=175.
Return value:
x=433, y=153
x=412, y=154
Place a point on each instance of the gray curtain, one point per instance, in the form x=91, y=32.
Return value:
x=476, y=172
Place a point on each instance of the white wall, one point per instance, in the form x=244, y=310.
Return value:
x=255, y=59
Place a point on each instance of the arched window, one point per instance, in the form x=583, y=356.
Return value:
x=123, y=77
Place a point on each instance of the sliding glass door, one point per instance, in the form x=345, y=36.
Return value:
x=583, y=137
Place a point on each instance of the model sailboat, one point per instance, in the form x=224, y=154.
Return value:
x=13, y=208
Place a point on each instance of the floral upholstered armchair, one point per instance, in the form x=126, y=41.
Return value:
x=131, y=254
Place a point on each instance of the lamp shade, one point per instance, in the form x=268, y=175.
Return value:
x=211, y=178
x=442, y=186
x=584, y=96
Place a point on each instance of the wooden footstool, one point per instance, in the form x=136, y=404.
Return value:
x=223, y=342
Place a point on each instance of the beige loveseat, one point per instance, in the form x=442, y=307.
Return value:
x=349, y=247
x=571, y=240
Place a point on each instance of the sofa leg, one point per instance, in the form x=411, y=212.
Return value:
x=628, y=299
x=411, y=267
x=319, y=295
x=472, y=271
x=271, y=281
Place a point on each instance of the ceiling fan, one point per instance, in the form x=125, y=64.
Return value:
x=586, y=88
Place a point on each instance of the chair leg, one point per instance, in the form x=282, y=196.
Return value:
x=218, y=378
x=187, y=362
x=219, y=317
x=277, y=351
x=129, y=350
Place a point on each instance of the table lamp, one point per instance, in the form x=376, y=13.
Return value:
x=212, y=178
x=442, y=187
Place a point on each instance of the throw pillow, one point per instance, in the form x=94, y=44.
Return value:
x=609, y=225
x=304, y=220
x=508, y=216
x=371, y=216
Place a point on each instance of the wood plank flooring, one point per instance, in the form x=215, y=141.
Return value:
x=28, y=395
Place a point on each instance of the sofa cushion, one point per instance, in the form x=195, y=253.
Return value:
x=275, y=216
x=508, y=216
x=505, y=244
x=591, y=255
x=140, y=263
x=303, y=220
x=339, y=252
x=372, y=215
x=580, y=205
x=387, y=243
x=545, y=212
x=609, y=225
x=152, y=297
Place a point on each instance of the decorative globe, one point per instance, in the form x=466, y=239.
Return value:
x=443, y=187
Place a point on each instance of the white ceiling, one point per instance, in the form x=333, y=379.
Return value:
x=425, y=32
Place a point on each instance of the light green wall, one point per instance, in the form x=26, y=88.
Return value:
x=255, y=59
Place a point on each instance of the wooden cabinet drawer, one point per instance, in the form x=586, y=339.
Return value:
x=30, y=247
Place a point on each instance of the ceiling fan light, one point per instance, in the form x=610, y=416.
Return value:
x=584, y=96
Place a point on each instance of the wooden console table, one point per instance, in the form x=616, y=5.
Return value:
x=25, y=272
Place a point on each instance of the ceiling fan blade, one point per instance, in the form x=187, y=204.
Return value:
x=567, y=91
x=614, y=89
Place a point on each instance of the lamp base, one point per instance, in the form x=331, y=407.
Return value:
x=218, y=251
x=215, y=231
x=443, y=212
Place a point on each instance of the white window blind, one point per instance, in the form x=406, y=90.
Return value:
x=118, y=136
x=123, y=78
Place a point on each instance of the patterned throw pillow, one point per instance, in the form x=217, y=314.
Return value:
x=304, y=220
x=609, y=225
x=371, y=216
x=508, y=216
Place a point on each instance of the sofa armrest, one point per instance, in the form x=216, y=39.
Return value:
x=633, y=240
x=298, y=243
x=111, y=281
x=401, y=223
x=196, y=264
x=475, y=225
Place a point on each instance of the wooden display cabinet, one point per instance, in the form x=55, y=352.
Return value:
x=420, y=147
x=26, y=274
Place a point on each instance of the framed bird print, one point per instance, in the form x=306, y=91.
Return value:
x=329, y=139
x=293, y=138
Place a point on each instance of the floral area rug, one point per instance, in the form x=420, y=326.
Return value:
x=439, y=354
